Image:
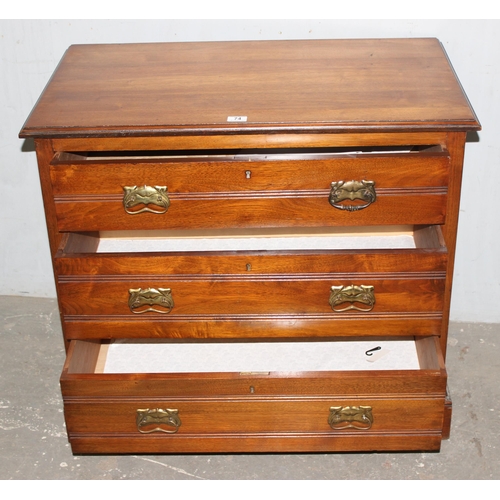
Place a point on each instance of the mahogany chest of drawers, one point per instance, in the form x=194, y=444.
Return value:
x=253, y=242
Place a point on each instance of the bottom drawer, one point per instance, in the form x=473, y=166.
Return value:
x=265, y=425
x=328, y=396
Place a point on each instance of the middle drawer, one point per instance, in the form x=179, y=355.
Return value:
x=253, y=293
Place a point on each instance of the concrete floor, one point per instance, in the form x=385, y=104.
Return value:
x=33, y=442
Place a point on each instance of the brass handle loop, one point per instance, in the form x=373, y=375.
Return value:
x=352, y=191
x=158, y=420
x=153, y=199
x=350, y=417
x=362, y=294
x=158, y=300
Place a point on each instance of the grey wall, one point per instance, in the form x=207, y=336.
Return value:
x=30, y=50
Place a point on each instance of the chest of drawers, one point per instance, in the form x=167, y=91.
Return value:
x=253, y=242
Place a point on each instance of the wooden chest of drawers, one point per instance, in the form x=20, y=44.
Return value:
x=253, y=242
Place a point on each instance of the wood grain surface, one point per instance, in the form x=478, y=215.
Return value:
x=140, y=89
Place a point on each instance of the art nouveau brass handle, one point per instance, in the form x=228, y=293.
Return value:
x=158, y=420
x=353, y=294
x=145, y=300
x=153, y=199
x=358, y=194
x=354, y=417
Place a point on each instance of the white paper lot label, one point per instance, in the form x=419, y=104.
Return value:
x=236, y=118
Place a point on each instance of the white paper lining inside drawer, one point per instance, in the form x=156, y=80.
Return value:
x=136, y=357
x=230, y=240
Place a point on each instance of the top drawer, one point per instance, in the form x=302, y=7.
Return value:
x=156, y=190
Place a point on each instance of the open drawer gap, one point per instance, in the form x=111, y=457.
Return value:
x=315, y=239
x=161, y=356
x=245, y=155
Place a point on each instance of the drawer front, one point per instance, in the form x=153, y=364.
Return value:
x=199, y=417
x=199, y=307
x=218, y=427
x=432, y=258
x=390, y=171
x=93, y=196
x=230, y=294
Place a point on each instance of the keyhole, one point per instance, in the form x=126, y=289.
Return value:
x=249, y=267
x=252, y=389
x=248, y=174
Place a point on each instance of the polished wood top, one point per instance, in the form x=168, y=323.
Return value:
x=301, y=85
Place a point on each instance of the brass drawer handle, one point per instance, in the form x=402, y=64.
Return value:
x=145, y=300
x=153, y=199
x=352, y=191
x=355, y=417
x=362, y=294
x=158, y=420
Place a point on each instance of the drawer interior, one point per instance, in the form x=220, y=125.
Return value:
x=232, y=240
x=275, y=239
x=256, y=357
x=160, y=356
x=246, y=155
x=409, y=367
